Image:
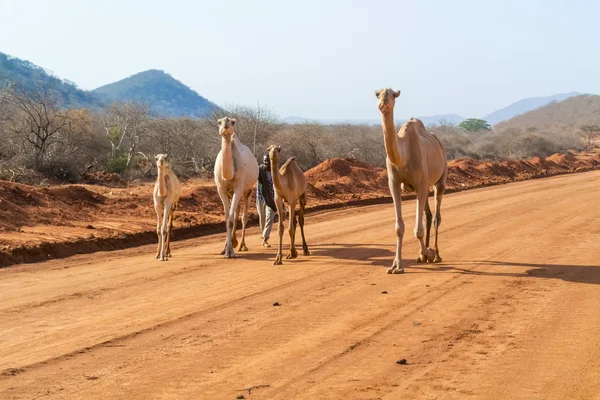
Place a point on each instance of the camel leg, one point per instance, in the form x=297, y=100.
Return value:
x=301, y=222
x=244, y=222
x=428, y=220
x=226, y=206
x=234, y=240
x=439, y=190
x=425, y=253
x=229, y=252
x=159, y=212
x=293, y=253
x=396, y=191
x=164, y=231
x=281, y=213
x=169, y=229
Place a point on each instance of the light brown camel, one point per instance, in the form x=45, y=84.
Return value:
x=167, y=191
x=416, y=159
x=236, y=171
x=290, y=185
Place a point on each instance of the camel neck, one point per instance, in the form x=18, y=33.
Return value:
x=275, y=173
x=162, y=182
x=391, y=140
x=227, y=169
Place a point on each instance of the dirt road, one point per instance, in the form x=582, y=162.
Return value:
x=513, y=312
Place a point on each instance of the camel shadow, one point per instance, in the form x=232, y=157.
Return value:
x=588, y=274
x=371, y=253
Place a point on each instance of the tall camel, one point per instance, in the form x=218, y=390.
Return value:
x=290, y=185
x=167, y=191
x=416, y=159
x=236, y=171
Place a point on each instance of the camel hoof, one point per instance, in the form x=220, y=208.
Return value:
x=157, y=257
x=278, y=260
x=306, y=253
x=395, y=270
x=437, y=259
x=292, y=254
x=419, y=261
x=430, y=255
x=243, y=248
x=229, y=253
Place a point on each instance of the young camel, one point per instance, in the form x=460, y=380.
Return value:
x=416, y=159
x=167, y=191
x=236, y=171
x=290, y=185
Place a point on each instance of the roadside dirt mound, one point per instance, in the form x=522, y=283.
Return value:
x=347, y=175
x=118, y=214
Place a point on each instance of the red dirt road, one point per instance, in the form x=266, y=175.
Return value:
x=512, y=312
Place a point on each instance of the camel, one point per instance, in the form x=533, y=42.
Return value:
x=289, y=183
x=167, y=191
x=416, y=159
x=236, y=171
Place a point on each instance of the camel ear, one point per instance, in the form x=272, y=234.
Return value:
x=397, y=94
x=166, y=156
x=377, y=93
x=156, y=157
x=232, y=121
x=220, y=122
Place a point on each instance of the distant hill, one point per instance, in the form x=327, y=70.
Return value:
x=427, y=120
x=523, y=106
x=572, y=112
x=166, y=95
x=29, y=75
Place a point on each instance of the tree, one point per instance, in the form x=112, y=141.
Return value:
x=475, y=125
x=37, y=118
x=589, y=133
x=124, y=124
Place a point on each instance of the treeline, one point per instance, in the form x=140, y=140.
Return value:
x=41, y=140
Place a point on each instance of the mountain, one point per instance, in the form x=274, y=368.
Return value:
x=31, y=77
x=427, y=120
x=572, y=112
x=523, y=106
x=166, y=95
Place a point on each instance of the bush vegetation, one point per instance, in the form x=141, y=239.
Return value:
x=43, y=140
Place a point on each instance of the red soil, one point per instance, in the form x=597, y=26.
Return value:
x=91, y=217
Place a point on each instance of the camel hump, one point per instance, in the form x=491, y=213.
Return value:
x=291, y=160
x=417, y=122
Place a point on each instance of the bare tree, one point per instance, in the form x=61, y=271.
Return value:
x=125, y=125
x=37, y=118
x=589, y=133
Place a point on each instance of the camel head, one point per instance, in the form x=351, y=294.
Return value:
x=161, y=161
x=387, y=99
x=226, y=127
x=274, y=151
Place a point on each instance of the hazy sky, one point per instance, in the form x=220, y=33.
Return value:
x=321, y=59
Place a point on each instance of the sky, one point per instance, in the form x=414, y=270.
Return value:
x=320, y=59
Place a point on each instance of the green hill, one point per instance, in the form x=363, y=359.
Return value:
x=572, y=112
x=165, y=94
x=30, y=75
